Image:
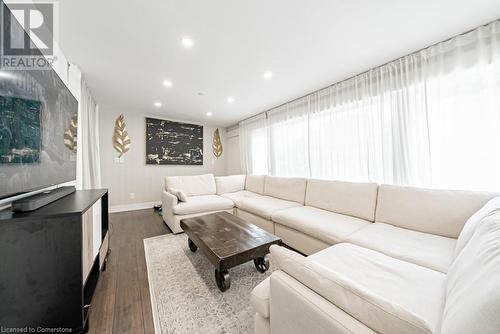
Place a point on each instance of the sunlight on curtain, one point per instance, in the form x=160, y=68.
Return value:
x=288, y=133
x=463, y=94
x=259, y=146
x=344, y=145
x=254, y=145
x=427, y=119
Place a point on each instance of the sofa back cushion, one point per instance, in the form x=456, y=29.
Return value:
x=490, y=208
x=440, y=212
x=472, y=286
x=348, y=198
x=287, y=188
x=255, y=183
x=193, y=185
x=230, y=184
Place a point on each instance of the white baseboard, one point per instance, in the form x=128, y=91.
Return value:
x=132, y=207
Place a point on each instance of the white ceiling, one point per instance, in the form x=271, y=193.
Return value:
x=125, y=49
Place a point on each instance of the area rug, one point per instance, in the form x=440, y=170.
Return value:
x=184, y=295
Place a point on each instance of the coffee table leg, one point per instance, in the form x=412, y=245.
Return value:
x=192, y=246
x=261, y=263
x=223, y=280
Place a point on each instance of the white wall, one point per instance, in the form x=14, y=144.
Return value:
x=232, y=150
x=133, y=175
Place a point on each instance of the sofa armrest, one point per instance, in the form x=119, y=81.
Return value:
x=259, y=298
x=296, y=309
x=168, y=201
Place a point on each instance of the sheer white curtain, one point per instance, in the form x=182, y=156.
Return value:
x=88, y=135
x=463, y=104
x=431, y=118
x=288, y=135
x=371, y=127
x=254, y=145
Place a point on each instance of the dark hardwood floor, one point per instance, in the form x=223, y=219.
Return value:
x=121, y=302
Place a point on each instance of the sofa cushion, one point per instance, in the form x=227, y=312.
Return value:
x=264, y=206
x=441, y=212
x=490, y=208
x=324, y=225
x=229, y=184
x=386, y=294
x=203, y=203
x=299, y=241
x=260, y=298
x=181, y=196
x=192, y=185
x=472, y=290
x=428, y=250
x=348, y=198
x=255, y=183
x=238, y=196
x=287, y=188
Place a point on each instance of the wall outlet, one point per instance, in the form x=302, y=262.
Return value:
x=131, y=195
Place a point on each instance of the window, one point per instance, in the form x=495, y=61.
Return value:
x=429, y=119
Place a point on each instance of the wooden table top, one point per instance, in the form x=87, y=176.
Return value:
x=223, y=236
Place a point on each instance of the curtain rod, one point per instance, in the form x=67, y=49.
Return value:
x=364, y=72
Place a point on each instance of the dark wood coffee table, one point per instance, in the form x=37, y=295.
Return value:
x=228, y=241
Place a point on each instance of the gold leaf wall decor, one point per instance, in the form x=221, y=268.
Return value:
x=70, y=135
x=121, y=140
x=217, y=144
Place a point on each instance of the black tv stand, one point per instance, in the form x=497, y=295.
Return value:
x=51, y=260
x=36, y=201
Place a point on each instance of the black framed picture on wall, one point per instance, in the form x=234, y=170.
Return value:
x=173, y=143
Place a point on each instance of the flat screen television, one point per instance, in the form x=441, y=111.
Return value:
x=38, y=114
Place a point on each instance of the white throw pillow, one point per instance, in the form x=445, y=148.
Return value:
x=181, y=196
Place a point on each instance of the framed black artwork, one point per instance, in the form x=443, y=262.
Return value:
x=173, y=143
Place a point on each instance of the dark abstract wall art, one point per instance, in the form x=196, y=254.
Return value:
x=20, y=132
x=173, y=143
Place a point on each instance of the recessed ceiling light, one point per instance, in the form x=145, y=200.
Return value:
x=157, y=104
x=230, y=99
x=268, y=75
x=167, y=83
x=187, y=42
x=209, y=114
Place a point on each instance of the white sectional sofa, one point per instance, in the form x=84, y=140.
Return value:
x=201, y=191
x=381, y=258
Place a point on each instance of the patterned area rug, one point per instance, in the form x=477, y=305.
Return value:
x=184, y=295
